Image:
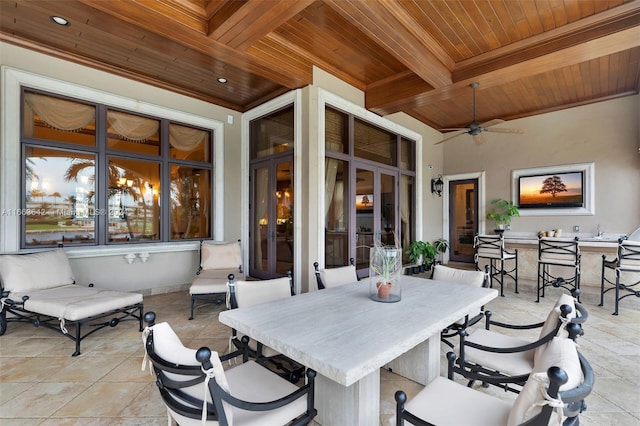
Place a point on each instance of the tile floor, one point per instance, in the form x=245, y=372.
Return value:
x=41, y=384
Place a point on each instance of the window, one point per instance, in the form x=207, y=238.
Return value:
x=97, y=175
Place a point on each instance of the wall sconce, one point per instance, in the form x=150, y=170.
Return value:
x=437, y=185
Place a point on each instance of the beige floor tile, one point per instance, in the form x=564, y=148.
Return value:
x=102, y=400
x=49, y=396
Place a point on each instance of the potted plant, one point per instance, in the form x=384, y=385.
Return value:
x=501, y=213
x=385, y=269
x=441, y=245
x=421, y=252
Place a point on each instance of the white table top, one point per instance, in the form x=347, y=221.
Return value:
x=344, y=335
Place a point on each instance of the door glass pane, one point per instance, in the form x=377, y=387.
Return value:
x=284, y=218
x=259, y=249
x=336, y=213
x=62, y=120
x=375, y=144
x=463, y=219
x=272, y=133
x=133, y=133
x=336, y=131
x=387, y=208
x=365, y=203
x=190, y=202
x=59, y=197
x=134, y=200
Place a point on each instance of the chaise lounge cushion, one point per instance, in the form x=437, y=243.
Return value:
x=74, y=303
x=35, y=271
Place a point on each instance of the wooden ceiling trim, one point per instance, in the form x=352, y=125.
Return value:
x=378, y=21
x=586, y=51
x=130, y=12
x=255, y=19
x=222, y=14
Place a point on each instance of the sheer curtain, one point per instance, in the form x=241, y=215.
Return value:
x=330, y=176
x=57, y=113
x=261, y=202
x=405, y=208
x=132, y=127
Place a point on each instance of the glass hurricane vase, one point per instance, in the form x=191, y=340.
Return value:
x=385, y=272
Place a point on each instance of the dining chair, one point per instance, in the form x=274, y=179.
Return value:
x=217, y=261
x=472, y=278
x=491, y=249
x=558, y=264
x=553, y=394
x=487, y=353
x=247, y=293
x=197, y=391
x=627, y=262
x=333, y=277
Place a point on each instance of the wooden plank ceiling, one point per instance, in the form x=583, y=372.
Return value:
x=416, y=56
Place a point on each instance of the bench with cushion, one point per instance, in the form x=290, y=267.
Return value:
x=39, y=288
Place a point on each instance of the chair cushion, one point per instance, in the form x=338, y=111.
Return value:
x=168, y=346
x=552, y=320
x=220, y=255
x=250, y=293
x=445, y=402
x=73, y=302
x=213, y=281
x=510, y=363
x=444, y=273
x=35, y=271
x=334, y=277
x=560, y=352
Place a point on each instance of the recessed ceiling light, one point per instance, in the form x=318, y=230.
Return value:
x=222, y=80
x=60, y=20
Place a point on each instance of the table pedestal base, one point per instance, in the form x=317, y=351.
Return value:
x=358, y=404
x=420, y=364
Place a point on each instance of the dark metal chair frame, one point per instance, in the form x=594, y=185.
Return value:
x=497, y=269
x=567, y=248
x=455, y=329
x=284, y=366
x=207, y=298
x=626, y=253
x=573, y=398
x=316, y=267
x=171, y=390
x=95, y=322
x=475, y=372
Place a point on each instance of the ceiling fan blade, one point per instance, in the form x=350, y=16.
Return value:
x=453, y=128
x=505, y=130
x=451, y=136
x=491, y=123
x=478, y=139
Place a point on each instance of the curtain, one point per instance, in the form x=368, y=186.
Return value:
x=58, y=113
x=132, y=127
x=186, y=138
x=330, y=175
x=405, y=208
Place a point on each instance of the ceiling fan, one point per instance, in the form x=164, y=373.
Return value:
x=476, y=129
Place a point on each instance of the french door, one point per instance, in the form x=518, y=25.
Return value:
x=375, y=215
x=271, y=212
x=463, y=217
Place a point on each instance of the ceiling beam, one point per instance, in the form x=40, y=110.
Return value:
x=605, y=36
x=254, y=20
x=392, y=28
x=139, y=14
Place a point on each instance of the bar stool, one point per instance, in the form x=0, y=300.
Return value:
x=561, y=254
x=627, y=260
x=491, y=248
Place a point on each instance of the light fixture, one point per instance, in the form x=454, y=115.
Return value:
x=222, y=80
x=437, y=185
x=60, y=20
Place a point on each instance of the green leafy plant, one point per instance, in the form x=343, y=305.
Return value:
x=502, y=212
x=441, y=245
x=421, y=249
x=386, y=259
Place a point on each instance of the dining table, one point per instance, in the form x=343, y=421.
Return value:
x=346, y=337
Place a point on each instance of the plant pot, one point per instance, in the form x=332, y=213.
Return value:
x=384, y=290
